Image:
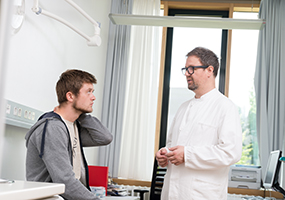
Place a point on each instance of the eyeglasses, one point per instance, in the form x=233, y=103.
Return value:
x=190, y=69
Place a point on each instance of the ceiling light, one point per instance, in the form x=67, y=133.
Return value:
x=194, y=22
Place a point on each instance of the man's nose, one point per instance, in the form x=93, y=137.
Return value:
x=93, y=97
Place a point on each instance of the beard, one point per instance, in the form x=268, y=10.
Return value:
x=80, y=109
x=192, y=86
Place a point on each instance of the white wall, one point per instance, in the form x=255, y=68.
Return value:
x=4, y=44
x=38, y=54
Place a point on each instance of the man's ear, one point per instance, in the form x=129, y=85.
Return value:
x=69, y=96
x=210, y=69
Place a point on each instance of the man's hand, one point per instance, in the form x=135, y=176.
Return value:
x=161, y=157
x=176, y=155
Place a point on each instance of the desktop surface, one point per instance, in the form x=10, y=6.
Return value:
x=120, y=198
x=249, y=197
x=29, y=190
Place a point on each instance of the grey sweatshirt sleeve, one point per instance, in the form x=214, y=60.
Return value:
x=57, y=161
x=93, y=132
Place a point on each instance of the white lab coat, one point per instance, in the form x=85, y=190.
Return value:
x=210, y=131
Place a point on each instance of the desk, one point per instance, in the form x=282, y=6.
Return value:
x=120, y=198
x=20, y=190
x=253, y=192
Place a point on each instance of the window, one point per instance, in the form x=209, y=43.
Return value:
x=241, y=85
x=174, y=83
x=179, y=42
x=178, y=91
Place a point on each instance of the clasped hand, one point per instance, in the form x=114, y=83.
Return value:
x=174, y=156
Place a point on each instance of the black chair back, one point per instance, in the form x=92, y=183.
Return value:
x=157, y=181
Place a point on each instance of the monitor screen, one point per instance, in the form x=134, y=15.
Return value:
x=272, y=170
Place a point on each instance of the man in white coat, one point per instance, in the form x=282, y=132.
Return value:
x=205, y=137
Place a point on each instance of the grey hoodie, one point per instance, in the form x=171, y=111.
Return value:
x=52, y=160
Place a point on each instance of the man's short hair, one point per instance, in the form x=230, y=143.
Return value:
x=72, y=81
x=206, y=57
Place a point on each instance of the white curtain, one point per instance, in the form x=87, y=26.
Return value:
x=138, y=132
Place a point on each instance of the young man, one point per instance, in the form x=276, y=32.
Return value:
x=205, y=136
x=55, y=143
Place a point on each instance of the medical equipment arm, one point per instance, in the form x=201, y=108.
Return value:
x=94, y=40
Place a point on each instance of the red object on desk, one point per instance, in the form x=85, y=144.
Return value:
x=98, y=176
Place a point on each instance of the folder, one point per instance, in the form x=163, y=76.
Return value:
x=98, y=176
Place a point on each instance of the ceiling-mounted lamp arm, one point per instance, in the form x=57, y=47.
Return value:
x=83, y=13
x=94, y=40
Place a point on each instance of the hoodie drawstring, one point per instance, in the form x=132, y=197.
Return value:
x=43, y=140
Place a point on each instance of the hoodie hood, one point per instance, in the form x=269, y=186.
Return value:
x=42, y=119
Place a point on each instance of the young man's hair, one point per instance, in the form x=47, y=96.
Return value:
x=72, y=81
x=206, y=57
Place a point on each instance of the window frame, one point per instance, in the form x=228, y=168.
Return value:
x=167, y=66
x=167, y=5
